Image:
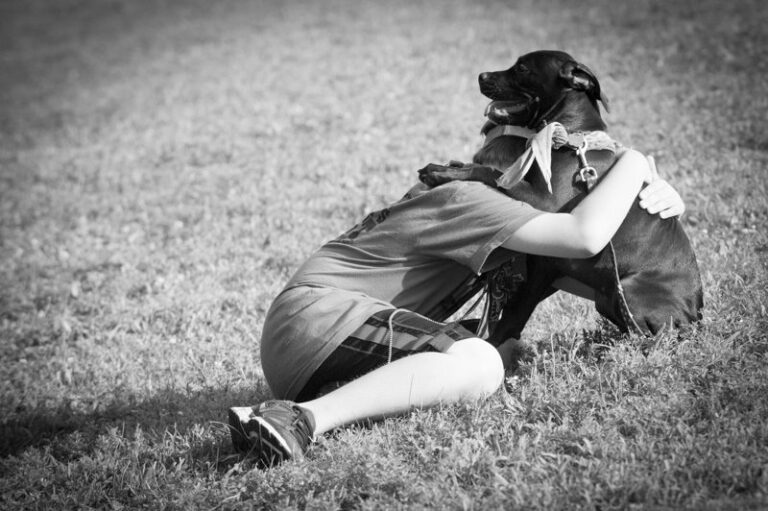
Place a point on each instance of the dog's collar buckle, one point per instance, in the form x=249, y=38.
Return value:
x=586, y=174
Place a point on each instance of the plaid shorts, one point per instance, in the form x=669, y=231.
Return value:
x=368, y=347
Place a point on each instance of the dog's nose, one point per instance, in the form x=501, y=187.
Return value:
x=483, y=77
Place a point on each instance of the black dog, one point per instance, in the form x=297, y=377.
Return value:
x=648, y=277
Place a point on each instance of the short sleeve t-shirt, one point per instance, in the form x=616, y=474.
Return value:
x=411, y=255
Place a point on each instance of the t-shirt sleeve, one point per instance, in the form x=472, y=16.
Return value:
x=472, y=222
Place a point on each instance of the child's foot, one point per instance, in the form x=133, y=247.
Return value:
x=274, y=431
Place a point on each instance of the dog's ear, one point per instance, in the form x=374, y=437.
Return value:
x=580, y=77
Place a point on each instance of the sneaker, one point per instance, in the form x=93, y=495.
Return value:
x=275, y=431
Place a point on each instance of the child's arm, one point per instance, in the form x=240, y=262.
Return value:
x=585, y=230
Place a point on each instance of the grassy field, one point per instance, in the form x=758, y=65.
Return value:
x=165, y=167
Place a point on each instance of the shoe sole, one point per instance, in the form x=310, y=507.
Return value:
x=255, y=435
x=241, y=437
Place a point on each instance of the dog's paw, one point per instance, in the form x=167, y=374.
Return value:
x=435, y=175
x=525, y=353
x=515, y=352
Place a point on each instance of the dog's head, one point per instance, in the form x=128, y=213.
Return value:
x=535, y=85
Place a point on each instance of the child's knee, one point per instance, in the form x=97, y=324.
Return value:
x=483, y=362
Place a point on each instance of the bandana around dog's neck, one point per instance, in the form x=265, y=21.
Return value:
x=540, y=146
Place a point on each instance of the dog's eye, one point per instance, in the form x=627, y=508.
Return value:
x=523, y=69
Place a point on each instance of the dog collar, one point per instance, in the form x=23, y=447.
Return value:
x=540, y=146
x=502, y=130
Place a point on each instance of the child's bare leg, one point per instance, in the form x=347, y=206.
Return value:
x=468, y=370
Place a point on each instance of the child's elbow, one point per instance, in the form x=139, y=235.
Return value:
x=581, y=241
x=589, y=246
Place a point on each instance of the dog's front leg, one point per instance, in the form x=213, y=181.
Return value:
x=513, y=351
x=517, y=309
x=435, y=175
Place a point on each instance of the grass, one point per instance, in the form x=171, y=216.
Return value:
x=165, y=166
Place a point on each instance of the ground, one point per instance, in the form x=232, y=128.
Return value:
x=165, y=167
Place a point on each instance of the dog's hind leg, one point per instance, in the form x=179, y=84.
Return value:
x=656, y=302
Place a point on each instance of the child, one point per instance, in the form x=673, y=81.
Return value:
x=367, y=307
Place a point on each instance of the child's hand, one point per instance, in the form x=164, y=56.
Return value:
x=659, y=196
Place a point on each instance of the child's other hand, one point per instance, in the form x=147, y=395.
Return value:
x=659, y=197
